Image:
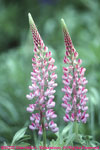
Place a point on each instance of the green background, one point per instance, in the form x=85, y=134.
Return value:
x=16, y=50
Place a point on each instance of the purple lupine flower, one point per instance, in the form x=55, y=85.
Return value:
x=43, y=78
x=75, y=99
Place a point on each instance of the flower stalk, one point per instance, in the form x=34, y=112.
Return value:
x=43, y=127
x=75, y=129
x=75, y=98
x=43, y=78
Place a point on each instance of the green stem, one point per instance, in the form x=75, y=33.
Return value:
x=44, y=137
x=43, y=128
x=76, y=128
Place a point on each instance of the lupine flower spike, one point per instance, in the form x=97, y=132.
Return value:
x=43, y=83
x=75, y=99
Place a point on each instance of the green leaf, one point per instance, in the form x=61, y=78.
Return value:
x=70, y=139
x=24, y=144
x=66, y=129
x=19, y=135
x=56, y=143
x=23, y=139
x=5, y=144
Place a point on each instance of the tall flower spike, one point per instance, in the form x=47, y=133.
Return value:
x=75, y=99
x=43, y=83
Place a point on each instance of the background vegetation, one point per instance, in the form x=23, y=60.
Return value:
x=83, y=20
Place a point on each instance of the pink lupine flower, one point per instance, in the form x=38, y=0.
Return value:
x=74, y=100
x=42, y=90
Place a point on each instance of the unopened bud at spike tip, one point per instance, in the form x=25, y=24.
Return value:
x=63, y=24
x=31, y=22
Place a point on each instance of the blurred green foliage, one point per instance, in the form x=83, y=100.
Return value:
x=83, y=21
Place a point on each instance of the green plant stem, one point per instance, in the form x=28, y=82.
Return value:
x=44, y=137
x=76, y=128
x=43, y=128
